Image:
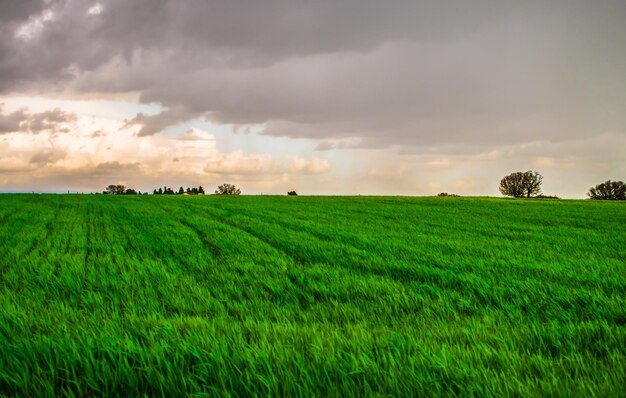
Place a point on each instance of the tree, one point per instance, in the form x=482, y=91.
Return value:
x=160, y=191
x=608, y=190
x=201, y=190
x=521, y=184
x=227, y=189
x=292, y=193
x=181, y=191
x=115, y=190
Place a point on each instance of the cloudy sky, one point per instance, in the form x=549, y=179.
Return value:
x=324, y=97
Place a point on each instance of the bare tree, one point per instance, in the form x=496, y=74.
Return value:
x=608, y=190
x=227, y=189
x=521, y=184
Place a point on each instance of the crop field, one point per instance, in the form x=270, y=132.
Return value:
x=311, y=296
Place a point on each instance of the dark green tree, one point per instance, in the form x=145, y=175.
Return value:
x=227, y=189
x=521, y=184
x=608, y=190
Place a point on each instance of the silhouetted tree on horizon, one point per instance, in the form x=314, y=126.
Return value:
x=120, y=190
x=168, y=191
x=608, y=190
x=521, y=184
x=227, y=189
x=115, y=190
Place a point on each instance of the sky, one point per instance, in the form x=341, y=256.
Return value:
x=327, y=97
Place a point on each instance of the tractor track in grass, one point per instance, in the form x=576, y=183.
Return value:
x=292, y=254
x=426, y=274
x=216, y=251
x=397, y=274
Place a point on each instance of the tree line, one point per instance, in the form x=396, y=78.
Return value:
x=121, y=190
x=521, y=184
x=169, y=191
x=118, y=189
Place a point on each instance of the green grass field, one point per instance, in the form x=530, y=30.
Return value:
x=311, y=296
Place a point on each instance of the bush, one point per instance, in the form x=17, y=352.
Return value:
x=546, y=197
x=292, y=193
x=445, y=194
x=608, y=190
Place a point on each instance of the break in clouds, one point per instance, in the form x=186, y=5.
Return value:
x=390, y=97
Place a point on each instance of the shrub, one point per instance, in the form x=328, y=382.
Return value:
x=292, y=193
x=546, y=197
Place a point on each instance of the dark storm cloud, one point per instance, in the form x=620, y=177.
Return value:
x=349, y=73
x=16, y=10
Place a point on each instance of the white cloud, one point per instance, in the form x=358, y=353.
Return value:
x=34, y=26
x=107, y=149
x=238, y=163
x=313, y=165
x=96, y=9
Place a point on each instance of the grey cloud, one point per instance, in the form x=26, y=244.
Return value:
x=113, y=168
x=19, y=10
x=11, y=122
x=54, y=120
x=409, y=73
x=152, y=124
x=195, y=135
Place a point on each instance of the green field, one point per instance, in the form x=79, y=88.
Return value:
x=311, y=296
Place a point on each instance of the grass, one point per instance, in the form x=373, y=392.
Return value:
x=311, y=296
